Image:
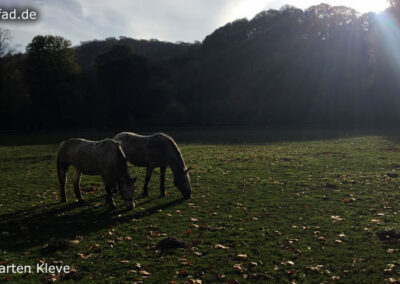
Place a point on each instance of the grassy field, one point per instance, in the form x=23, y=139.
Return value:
x=268, y=206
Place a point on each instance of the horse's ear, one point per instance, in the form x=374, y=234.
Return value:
x=188, y=169
x=133, y=180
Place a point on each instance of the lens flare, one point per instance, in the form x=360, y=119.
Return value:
x=390, y=32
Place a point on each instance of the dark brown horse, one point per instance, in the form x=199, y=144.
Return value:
x=105, y=158
x=156, y=150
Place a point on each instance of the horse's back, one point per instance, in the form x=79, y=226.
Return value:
x=159, y=144
x=134, y=147
x=154, y=150
x=92, y=157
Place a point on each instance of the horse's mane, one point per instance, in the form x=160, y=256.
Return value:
x=176, y=149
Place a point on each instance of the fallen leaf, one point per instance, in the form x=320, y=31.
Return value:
x=84, y=256
x=50, y=278
x=181, y=273
x=336, y=218
x=242, y=256
x=314, y=268
x=193, y=281
x=95, y=248
x=144, y=272
x=287, y=262
x=218, y=246
x=239, y=268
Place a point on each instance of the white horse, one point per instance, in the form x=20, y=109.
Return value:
x=156, y=150
x=105, y=158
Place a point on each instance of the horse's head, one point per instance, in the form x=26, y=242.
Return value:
x=182, y=182
x=126, y=189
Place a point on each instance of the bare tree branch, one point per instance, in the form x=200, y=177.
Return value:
x=5, y=38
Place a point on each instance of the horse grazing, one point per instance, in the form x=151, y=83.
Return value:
x=105, y=158
x=156, y=150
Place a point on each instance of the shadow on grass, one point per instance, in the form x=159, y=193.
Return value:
x=36, y=226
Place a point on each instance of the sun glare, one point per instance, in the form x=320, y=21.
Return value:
x=363, y=6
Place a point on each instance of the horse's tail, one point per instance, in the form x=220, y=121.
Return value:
x=61, y=174
x=121, y=150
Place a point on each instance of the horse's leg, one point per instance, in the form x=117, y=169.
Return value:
x=162, y=181
x=62, y=178
x=149, y=171
x=115, y=189
x=109, y=198
x=109, y=185
x=77, y=179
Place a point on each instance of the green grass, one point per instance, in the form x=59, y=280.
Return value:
x=310, y=206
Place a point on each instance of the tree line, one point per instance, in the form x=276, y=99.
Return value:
x=324, y=65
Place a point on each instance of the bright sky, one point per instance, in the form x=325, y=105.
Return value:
x=169, y=20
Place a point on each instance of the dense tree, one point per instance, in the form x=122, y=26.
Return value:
x=52, y=73
x=324, y=65
x=14, y=96
x=124, y=77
